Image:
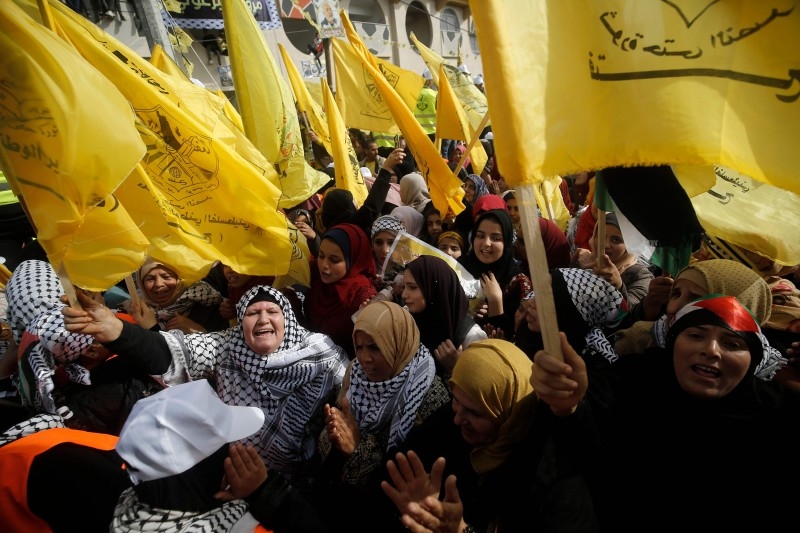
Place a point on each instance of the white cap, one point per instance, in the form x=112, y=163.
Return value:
x=173, y=430
x=478, y=80
x=426, y=74
x=489, y=135
x=463, y=68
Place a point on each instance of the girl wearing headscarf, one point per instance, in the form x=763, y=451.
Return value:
x=192, y=309
x=619, y=267
x=390, y=387
x=699, y=400
x=512, y=476
x=384, y=232
x=491, y=260
x=414, y=191
x=268, y=360
x=714, y=276
x=435, y=298
x=343, y=278
x=432, y=226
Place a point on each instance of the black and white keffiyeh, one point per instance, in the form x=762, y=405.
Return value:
x=34, y=305
x=200, y=292
x=598, y=303
x=132, y=515
x=30, y=426
x=290, y=385
x=394, y=401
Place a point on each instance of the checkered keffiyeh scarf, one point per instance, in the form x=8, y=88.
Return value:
x=132, y=515
x=34, y=306
x=30, y=426
x=598, y=302
x=394, y=401
x=290, y=385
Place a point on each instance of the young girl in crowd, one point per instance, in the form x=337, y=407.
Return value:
x=491, y=260
x=437, y=301
x=342, y=279
x=451, y=243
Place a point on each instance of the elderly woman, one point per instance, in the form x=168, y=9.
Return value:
x=390, y=387
x=268, y=360
x=511, y=475
x=698, y=398
x=192, y=309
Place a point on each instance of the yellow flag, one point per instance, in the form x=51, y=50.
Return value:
x=452, y=122
x=202, y=186
x=164, y=63
x=315, y=91
x=345, y=162
x=471, y=98
x=445, y=188
x=305, y=104
x=548, y=195
x=690, y=83
x=359, y=101
x=266, y=105
x=406, y=83
x=230, y=112
x=60, y=158
x=720, y=196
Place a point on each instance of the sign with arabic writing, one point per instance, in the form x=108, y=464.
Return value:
x=205, y=14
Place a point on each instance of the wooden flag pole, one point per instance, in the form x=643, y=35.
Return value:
x=475, y=139
x=134, y=294
x=540, y=272
x=69, y=288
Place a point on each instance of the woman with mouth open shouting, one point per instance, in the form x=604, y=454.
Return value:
x=689, y=437
x=268, y=360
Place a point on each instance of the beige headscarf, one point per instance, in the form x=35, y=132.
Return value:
x=496, y=375
x=145, y=269
x=394, y=331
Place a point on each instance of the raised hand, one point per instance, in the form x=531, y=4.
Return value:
x=93, y=319
x=412, y=484
x=342, y=428
x=560, y=384
x=245, y=471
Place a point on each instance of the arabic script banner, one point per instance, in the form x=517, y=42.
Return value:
x=207, y=14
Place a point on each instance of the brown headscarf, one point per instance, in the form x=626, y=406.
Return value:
x=496, y=375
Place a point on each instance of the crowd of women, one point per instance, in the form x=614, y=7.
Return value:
x=383, y=397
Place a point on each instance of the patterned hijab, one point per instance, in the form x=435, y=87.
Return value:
x=396, y=400
x=328, y=299
x=481, y=189
x=496, y=375
x=504, y=268
x=290, y=384
x=183, y=298
x=445, y=301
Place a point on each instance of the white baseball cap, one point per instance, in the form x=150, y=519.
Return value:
x=463, y=68
x=426, y=74
x=173, y=430
x=478, y=80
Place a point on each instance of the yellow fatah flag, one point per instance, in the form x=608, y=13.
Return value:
x=315, y=91
x=267, y=106
x=357, y=96
x=55, y=153
x=548, y=196
x=679, y=83
x=406, y=83
x=305, y=103
x=471, y=98
x=444, y=187
x=720, y=196
x=345, y=162
x=452, y=123
x=208, y=190
x=230, y=112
